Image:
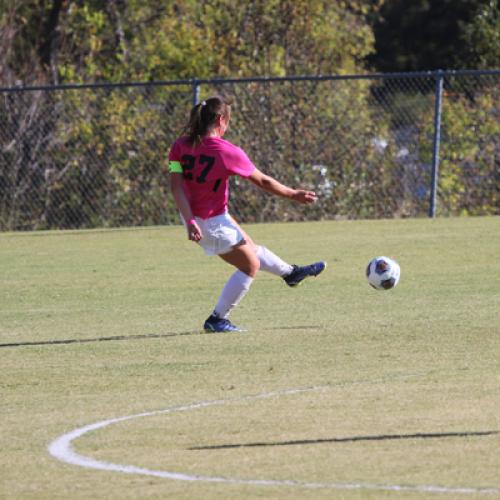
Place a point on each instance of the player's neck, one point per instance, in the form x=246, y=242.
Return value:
x=215, y=133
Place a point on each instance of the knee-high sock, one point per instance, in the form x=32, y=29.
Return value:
x=271, y=263
x=234, y=290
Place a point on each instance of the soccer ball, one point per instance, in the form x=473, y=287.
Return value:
x=383, y=273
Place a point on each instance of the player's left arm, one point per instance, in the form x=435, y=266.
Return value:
x=193, y=230
x=271, y=185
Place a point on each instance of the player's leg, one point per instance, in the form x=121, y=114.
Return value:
x=243, y=257
x=245, y=235
x=271, y=263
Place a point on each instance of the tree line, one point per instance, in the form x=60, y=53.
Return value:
x=94, y=157
x=62, y=41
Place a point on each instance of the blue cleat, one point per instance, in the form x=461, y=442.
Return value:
x=214, y=324
x=299, y=273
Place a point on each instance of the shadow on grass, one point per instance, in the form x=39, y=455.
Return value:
x=138, y=337
x=98, y=339
x=352, y=439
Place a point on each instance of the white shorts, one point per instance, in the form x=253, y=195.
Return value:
x=220, y=234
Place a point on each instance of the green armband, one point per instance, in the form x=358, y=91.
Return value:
x=175, y=167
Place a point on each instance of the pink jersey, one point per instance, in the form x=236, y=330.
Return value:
x=206, y=170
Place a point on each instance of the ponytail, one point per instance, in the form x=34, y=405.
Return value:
x=203, y=118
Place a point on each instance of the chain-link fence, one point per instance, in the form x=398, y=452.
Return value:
x=371, y=146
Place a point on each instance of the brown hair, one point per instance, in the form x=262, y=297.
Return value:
x=204, y=116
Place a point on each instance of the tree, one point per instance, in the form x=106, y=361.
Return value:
x=420, y=35
x=482, y=36
x=30, y=40
x=98, y=154
x=210, y=38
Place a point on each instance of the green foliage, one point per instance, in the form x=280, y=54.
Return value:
x=482, y=36
x=107, y=150
x=468, y=168
x=96, y=157
x=469, y=164
x=333, y=137
x=169, y=40
x=420, y=35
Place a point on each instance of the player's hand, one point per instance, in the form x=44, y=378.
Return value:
x=194, y=232
x=305, y=197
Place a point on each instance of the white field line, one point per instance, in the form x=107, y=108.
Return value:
x=61, y=448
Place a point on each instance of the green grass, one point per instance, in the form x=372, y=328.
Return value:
x=420, y=359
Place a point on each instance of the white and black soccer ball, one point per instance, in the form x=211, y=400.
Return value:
x=383, y=273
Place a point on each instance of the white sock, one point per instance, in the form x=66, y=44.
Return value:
x=271, y=263
x=234, y=290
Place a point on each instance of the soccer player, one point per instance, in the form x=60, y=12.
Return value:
x=200, y=163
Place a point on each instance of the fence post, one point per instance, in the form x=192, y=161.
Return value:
x=437, y=141
x=196, y=92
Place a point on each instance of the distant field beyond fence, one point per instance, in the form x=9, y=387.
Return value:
x=372, y=146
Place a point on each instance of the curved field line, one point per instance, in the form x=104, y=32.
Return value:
x=61, y=448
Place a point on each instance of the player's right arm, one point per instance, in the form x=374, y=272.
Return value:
x=271, y=185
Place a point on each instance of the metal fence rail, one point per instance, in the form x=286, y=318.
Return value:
x=372, y=146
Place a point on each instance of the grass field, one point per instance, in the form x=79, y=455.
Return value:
x=336, y=390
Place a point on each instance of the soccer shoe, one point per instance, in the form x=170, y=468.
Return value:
x=301, y=272
x=214, y=324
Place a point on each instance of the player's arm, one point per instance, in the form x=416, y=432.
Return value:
x=271, y=185
x=194, y=231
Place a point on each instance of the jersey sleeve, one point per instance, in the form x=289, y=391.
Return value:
x=237, y=162
x=174, y=159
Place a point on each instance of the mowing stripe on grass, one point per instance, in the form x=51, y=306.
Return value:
x=61, y=449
